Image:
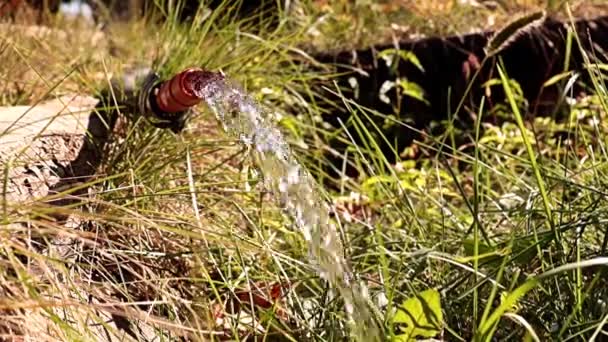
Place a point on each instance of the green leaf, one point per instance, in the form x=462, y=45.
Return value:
x=522, y=250
x=406, y=56
x=486, y=254
x=411, y=89
x=372, y=181
x=553, y=80
x=411, y=57
x=407, y=165
x=420, y=316
x=290, y=123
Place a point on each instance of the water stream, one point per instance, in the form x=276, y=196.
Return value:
x=295, y=190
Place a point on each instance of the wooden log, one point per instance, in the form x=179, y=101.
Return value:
x=449, y=63
x=42, y=145
x=43, y=149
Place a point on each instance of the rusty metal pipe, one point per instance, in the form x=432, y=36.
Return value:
x=178, y=94
x=167, y=103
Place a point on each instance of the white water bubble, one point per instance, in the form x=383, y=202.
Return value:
x=293, y=175
x=245, y=139
x=283, y=185
x=349, y=309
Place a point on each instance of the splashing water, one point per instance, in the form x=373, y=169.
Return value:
x=294, y=188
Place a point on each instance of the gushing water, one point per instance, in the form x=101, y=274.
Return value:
x=295, y=190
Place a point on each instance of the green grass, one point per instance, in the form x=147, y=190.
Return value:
x=509, y=229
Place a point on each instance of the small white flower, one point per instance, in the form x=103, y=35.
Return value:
x=571, y=101
x=594, y=121
x=491, y=20
x=386, y=86
x=388, y=59
x=381, y=300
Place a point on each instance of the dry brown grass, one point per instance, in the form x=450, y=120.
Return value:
x=344, y=25
x=164, y=237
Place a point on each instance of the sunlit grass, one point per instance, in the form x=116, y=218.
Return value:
x=174, y=228
x=168, y=234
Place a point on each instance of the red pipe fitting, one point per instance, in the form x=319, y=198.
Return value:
x=167, y=104
x=180, y=93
